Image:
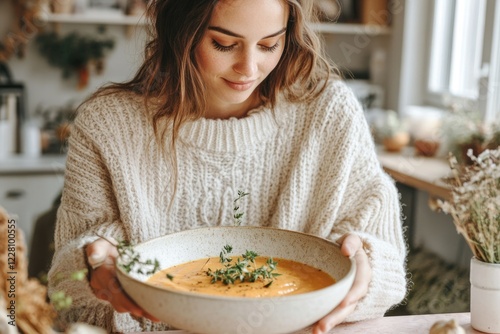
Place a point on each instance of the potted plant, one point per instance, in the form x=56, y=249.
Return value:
x=56, y=123
x=465, y=129
x=475, y=209
x=74, y=53
x=393, y=132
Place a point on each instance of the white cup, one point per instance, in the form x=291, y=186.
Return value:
x=31, y=141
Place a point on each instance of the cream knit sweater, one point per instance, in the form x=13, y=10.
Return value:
x=308, y=167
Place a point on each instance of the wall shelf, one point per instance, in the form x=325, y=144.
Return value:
x=118, y=18
x=351, y=29
x=99, y=18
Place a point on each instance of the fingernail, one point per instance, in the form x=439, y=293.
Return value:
x=96, y=260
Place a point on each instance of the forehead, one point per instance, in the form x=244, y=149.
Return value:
x=246, y=17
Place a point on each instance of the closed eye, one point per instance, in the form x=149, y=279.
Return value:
x=222, y=48
x=270, y=48
x=226, y=48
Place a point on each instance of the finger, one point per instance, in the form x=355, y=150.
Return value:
x=351, y=246
x=333, y=319
x=106, y=287
x=103, y=275
x=351, y=243
x=123, y=304
x=101, y=255
x=358, y=290
x=362, y=279
x=98, y=252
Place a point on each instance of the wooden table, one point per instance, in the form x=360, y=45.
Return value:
x=414, y=174
x=421, y=173
x=414, y=324
x=411, y=324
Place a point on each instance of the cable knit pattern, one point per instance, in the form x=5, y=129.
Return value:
x=308, y=167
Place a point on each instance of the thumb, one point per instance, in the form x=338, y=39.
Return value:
x=98, y=251
x=351, y=243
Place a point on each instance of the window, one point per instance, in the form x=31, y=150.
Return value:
x=458, y=40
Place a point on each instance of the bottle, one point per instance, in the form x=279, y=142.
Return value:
x=31, y=143
x=378, y=67
x=8, y=125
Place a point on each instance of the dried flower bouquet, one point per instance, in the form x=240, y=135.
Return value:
x=475, y=203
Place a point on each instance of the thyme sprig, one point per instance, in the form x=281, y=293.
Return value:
x=243, y=270
x=131, y=260
x=223, y=258
x=59, y=299
x=238, y=215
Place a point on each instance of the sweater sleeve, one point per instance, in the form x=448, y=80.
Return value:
x=88, y=209
x=367, y=204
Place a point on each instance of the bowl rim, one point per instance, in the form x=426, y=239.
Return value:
x=350, y=275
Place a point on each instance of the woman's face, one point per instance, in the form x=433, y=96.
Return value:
x=242, y=45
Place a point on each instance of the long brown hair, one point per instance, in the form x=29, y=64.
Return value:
x=169, y=79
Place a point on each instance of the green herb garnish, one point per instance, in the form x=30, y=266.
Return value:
x=238, y=215
x=243, y=270
x=226, y=250
x=59, y=299
x=131, y=260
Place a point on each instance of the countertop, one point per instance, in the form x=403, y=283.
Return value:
x=411, y=324
x=423, y=173
x=45, y=164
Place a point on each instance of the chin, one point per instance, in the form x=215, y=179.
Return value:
x=237, y=98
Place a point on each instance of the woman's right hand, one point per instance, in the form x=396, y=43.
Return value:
x=101, y=257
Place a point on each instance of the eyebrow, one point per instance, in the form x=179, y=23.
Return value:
x=230, y=33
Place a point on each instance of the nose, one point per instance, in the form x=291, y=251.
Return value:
x=246, y=64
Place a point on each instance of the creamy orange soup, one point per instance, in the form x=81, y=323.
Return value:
x=294, y=278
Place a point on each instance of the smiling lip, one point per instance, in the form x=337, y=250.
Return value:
x=240, y=85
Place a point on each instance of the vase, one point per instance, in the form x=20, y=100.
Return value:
x=375, y=12
x=396, y=142
x=62, y=6
x=477, y=148
x=485, y=296
x=425, y=148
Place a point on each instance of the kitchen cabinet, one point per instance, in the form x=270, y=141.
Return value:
x=28, y=187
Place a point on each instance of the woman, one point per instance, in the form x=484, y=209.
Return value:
x=233, y=94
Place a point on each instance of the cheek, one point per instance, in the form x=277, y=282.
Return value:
x=207, y=60
x=202, y=60
x=271, y=63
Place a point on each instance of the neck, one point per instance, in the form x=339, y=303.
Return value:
x=233, y=110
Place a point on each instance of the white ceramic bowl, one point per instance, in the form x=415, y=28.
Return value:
x=199, y=313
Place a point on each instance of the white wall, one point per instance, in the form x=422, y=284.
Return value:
x=45, y=86
x=437, y=233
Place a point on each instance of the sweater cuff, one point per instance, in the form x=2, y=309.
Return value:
x=388, y=285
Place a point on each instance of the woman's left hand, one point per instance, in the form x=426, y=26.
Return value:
x=351, y=246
